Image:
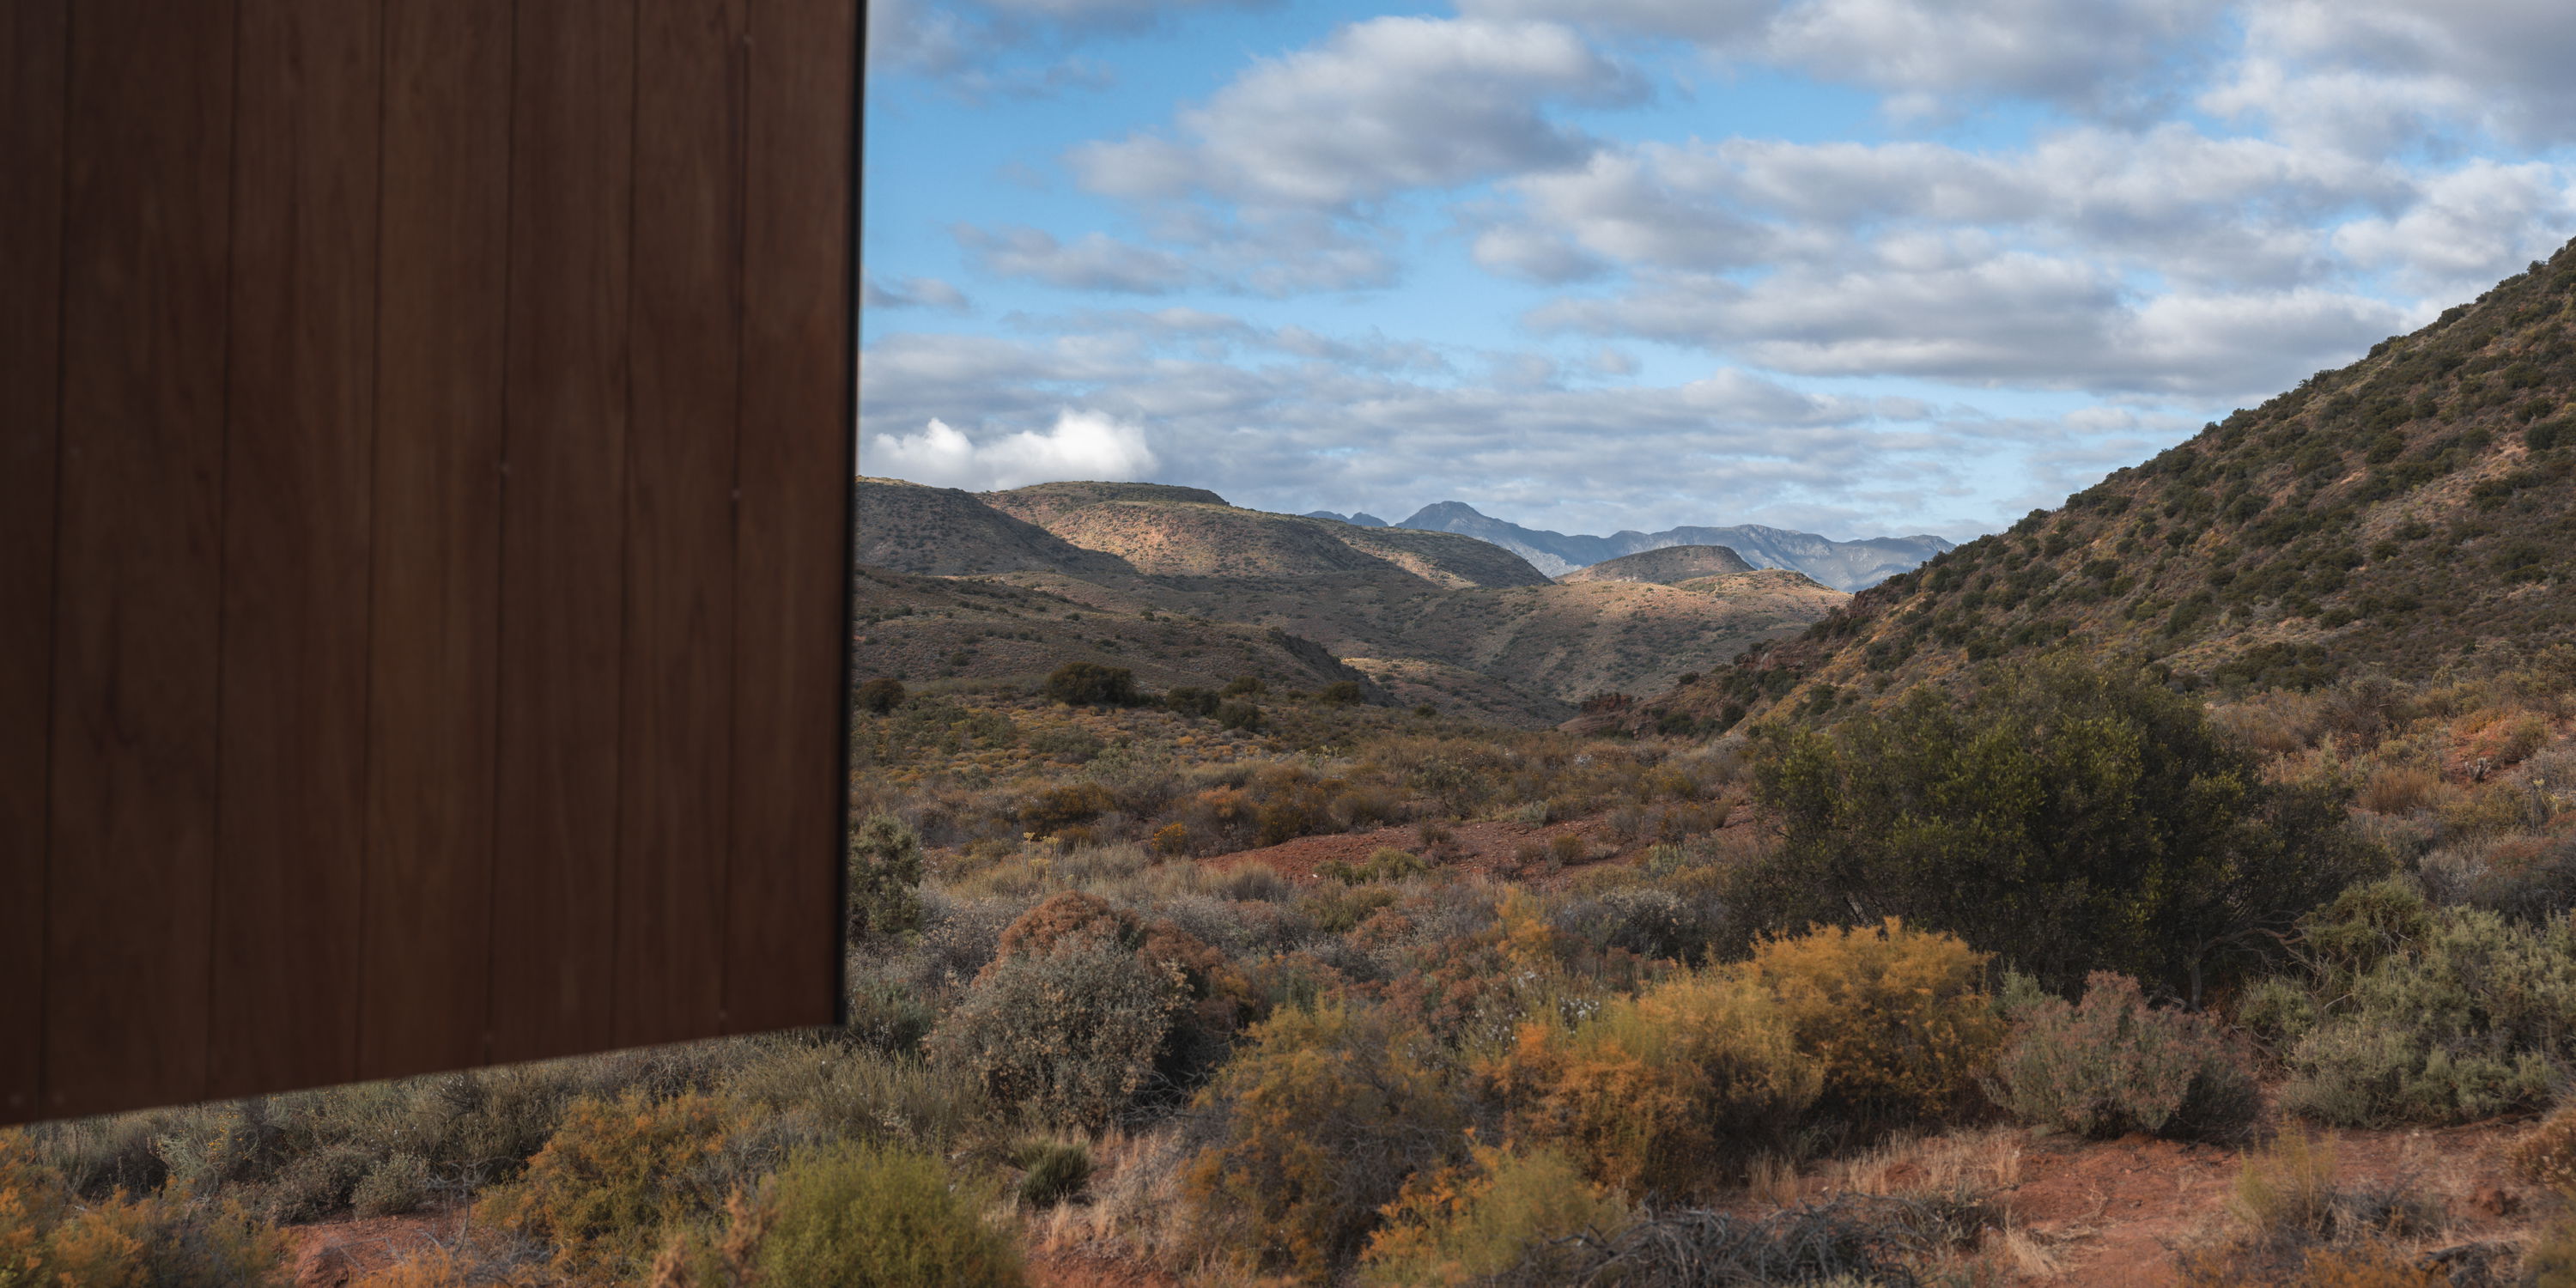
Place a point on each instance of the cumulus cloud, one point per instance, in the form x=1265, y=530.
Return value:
x=2094, y=55
x=966, y=42
x=910, y=293
x=1091, y=262
x=1081, y=445
x=2377, y=76
x=1382, y=106
x=1533, y=436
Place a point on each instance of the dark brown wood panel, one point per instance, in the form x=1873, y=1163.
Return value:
x=424, y=534
x=554, y=949
x=792, y=554
x=33, y=51
x=678, y=732
x=425, y=969
x=291, y=841
x=136, y=620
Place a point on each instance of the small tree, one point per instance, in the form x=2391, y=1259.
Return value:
x=885, y=866
x=1089, y=684
x=2073, y=818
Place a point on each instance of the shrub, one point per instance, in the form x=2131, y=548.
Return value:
x=1056, y=1172
x=2400, y=789
x=613, y=1178
x=885, y=868
x=2546, y=1155
x=1240, y=716
x=1191, y=701
x=1894, y=1016
x=2111, y=1065
x=1502, y=1219
x=879, y=696
x=1055, y=809
x=1670, y=1092
x=883, y=1218
x=1090, y=684
x=1316, y=1126
x=47, y=1239
x=1340, y=693
x=1848, y=1241
x=1070, y=1035
x=2076, y=819
x=393, y=1187
x=2462, y=1023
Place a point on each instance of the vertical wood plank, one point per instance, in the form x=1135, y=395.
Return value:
x=136, y=624
x=792, y=552
x=677, y=708
x=556, y=879
x=424, y=975
x=291, y=842
x=34, y=47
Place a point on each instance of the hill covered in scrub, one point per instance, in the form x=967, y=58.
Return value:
x=1431, y=617
x=1193, y=532
x=2398, y=514
x=1670, y=566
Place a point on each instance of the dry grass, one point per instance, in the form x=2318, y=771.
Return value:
x=2403, y=789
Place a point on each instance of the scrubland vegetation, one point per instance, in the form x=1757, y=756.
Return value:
x=1781, y=1007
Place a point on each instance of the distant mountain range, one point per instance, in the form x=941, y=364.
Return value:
x=1843, y=565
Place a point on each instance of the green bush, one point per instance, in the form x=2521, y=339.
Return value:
x=1056, y=1172
x=1340, y=693
x=1316, y=1126
x=1191, y=701
x=2075, y=819
x=879, y=696
x=1090, y=684
x=2112, y=1065
x=1239, y=716
x=874, y=1217
x=885, y=869
x=2464, y=1022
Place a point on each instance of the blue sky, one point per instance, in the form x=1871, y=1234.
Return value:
x=1849, y=266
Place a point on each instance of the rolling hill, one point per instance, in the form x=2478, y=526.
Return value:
x=1844, y=565
x=1669, y=566
x=1431, y=616
x=2404, y=512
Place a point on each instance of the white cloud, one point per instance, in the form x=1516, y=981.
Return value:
x=2381, y=75
x=1081, y=445
x=1534, y=435
x=2094, y=55
x=1382, y=106
x=910, y=293
x=1091, y=262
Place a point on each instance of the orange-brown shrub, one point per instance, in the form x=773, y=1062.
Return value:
x=1317, y=1125
x=2547, y=1154
x=46, y=1239
x=1895, y=1017
x=1172, y=839
x=1673, y=1091
x=2400, y=789
x=1505, y=1217
x=1057, y=808
x=616, y=1174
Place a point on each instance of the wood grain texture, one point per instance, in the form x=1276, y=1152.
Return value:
x=792, y=551
x=425, y=969
x=136, y=642
x=291, y=842
x=677, y=709
x=554, y=950
x=34, y=51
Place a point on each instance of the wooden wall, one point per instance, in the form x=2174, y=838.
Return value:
x=424, y=512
